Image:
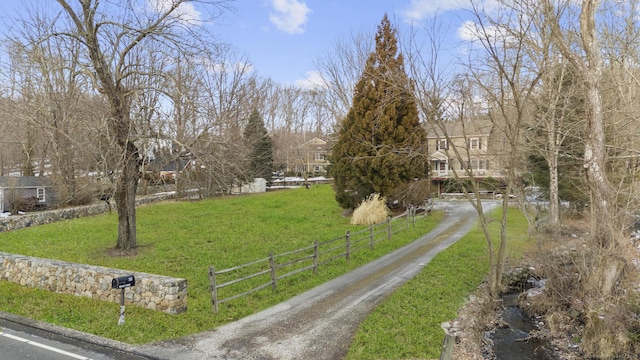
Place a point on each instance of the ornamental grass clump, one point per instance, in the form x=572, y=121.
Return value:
x=372, y=210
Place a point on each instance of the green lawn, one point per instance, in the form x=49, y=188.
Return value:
x=407, y=324
x=182, y=239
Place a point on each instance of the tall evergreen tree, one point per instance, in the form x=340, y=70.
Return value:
x=379, y=142
x=260, y=156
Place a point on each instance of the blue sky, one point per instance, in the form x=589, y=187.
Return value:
x=282, y=38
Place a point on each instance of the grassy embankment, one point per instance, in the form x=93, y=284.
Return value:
x=407, y=324
x=182, y=239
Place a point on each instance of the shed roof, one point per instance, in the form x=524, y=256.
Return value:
x=24, y=181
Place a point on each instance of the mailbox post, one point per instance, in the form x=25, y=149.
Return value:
x=122, y=282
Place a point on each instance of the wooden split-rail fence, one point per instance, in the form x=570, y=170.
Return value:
x=267, y=272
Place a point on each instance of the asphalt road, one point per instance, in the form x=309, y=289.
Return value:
x=24, y=342
x=23, y=338
x=318, y=324
x=16, y=345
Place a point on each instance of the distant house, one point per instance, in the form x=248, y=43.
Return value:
x=165, y=167
x=25, y=193
x=479, y=144
x=309, y=158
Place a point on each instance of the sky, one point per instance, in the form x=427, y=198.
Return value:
x=283, y=38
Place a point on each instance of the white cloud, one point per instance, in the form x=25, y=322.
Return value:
x=421, y=9
x=468, y=31
x=213, y=67
x=313, y=80
x=289, y=15
x=499, y=35
x=186, y=12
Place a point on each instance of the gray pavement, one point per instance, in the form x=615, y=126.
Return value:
x=22, y=338
x=320, y=323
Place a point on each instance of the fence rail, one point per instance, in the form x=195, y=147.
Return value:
x=262, y=273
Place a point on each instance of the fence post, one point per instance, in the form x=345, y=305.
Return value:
x=413, y=214
x=348, y=246
x=272, y=264
x=371, y=237
x=447, y=347
x=212, y=289
x=316, y=257
x=389, y=227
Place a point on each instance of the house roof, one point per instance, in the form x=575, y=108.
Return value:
x=168, y=163
x=439, y=155
x=468, y=128
x=24, y=181
x=313, y=142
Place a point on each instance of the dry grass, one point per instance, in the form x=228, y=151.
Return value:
x=372, y=210
x=601, y=324
x=581, y=321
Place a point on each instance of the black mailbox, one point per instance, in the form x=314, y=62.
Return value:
x=123, y=282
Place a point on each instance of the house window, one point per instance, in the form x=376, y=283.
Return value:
x=443, y=144
x=318, y=156
x=475, y=143
x=40, y=194
x=478, y=165
x=440, y=165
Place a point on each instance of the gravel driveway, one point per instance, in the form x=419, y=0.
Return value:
x=320, y=323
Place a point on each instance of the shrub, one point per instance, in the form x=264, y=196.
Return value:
x=412, y=193
x=372, y=210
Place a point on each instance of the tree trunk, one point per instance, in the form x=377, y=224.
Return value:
x=554, y=211
x=602, y=209
x=125, y=194
x=125, y=197
x=594, y=159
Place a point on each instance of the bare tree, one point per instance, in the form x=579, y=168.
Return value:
x=340, y=70
x=225, y=108
x=11, y=135
x=555, y=129
x=590, y=65
x=115, y=44
x=52, y=89
x=23, y=94
x=620, y=83
x=502, y=73
x=584, y=33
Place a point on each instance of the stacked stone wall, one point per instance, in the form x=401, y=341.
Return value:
x=16, y=222
x=155, y=292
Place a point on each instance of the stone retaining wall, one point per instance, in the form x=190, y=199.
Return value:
x=156, y=292
x=16, y=222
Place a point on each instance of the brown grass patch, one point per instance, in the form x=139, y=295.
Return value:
x=372, y=210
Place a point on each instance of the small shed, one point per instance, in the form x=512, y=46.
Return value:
x=259, y=185
x=25, y=193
